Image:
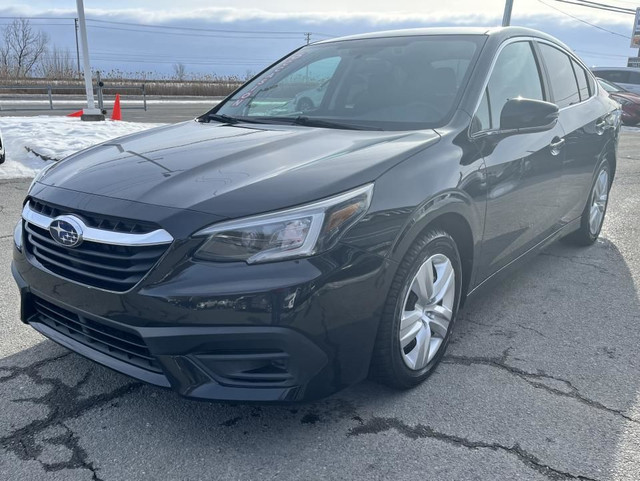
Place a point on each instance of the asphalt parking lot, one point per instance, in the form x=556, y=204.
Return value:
x=541, y=381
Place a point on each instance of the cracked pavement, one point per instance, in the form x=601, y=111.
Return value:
x=541, y=381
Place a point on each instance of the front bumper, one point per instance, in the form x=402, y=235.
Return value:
x=281, y=332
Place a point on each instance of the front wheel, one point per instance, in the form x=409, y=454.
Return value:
x=419, y=313
x=595, y=210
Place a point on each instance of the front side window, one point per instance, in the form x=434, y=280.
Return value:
x=515, y=75
x=393, y=83
x=563, y=80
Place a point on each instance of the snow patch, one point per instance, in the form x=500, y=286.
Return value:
x=29, y=140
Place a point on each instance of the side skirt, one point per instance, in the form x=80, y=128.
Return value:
x=524, y=258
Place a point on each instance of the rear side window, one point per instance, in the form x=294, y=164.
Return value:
x=515, y=74
x=634, y=78
x=581, y=75
x=563, y=80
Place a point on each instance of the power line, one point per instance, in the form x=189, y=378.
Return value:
x=584, y=21
x=600, y=54
x=184, y=34
x=587, y=3
x=197, y=29
x=176, y=27
x=603, y=8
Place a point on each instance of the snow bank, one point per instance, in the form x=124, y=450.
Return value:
x=53, y=137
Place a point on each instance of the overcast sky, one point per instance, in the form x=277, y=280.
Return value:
x=134, y=48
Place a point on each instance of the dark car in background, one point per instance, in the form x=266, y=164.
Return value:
x=630, y=101
x=266, y=253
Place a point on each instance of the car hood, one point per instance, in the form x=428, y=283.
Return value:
x=234, y=170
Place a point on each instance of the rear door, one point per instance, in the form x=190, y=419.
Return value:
x=523, y=171
x=582, y=117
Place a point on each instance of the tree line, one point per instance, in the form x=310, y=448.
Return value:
x=26, y=52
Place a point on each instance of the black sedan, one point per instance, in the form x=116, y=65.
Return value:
x=269, y=254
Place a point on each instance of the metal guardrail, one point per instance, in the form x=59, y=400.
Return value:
x=49, y=91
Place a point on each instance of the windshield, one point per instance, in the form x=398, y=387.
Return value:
x=394, y=83
x=610, y=87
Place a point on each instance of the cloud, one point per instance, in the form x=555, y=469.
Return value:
x=460, y=13
x=134, y=47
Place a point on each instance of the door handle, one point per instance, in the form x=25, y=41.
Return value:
x=556, y=146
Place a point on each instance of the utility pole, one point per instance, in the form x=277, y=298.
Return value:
x=91, y=112
x=75, y=21
x=308, y=37
x=506, y=18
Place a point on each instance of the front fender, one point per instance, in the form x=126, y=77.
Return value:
x=439, y=208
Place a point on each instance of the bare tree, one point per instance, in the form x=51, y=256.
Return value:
x=22, y=48
x=179, y=71
x=58, y=64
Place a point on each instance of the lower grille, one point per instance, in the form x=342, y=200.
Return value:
x=123, y=345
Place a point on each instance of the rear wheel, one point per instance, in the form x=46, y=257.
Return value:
x=595, y=210
x=419, y=313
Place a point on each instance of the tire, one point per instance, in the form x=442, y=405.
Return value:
x=304, y=104
x=391, y=364
x=588, y=231
x=2, y=158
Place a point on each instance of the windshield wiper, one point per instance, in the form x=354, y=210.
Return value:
x=313, y=122
x=227, y=119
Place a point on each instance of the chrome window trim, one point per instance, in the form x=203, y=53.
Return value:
x=540, y=61
x=156, y=237
x=579, y=62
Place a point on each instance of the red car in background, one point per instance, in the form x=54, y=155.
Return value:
x=630, y=101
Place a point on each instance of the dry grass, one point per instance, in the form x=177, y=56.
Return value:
x=115, y=82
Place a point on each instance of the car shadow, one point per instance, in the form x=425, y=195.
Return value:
x=541, y=379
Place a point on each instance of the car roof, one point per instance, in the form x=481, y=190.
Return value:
x=500, y=32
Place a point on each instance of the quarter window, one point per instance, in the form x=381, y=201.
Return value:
x=563, y=80
x=581, y=75
x=515, y=74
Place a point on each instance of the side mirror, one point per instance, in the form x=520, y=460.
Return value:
x=521, y=116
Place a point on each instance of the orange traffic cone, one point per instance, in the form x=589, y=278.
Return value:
x=76, y=114
x=117, y=113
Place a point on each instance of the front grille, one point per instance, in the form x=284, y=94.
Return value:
x=97, y=221
x=107, y=266
x=123, y=345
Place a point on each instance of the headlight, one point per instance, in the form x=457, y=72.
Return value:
x=297, y=232
x=17, y=235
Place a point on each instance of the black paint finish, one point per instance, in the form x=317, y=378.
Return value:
x=305, y=328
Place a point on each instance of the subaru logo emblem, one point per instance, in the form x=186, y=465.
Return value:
x=66, y=230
